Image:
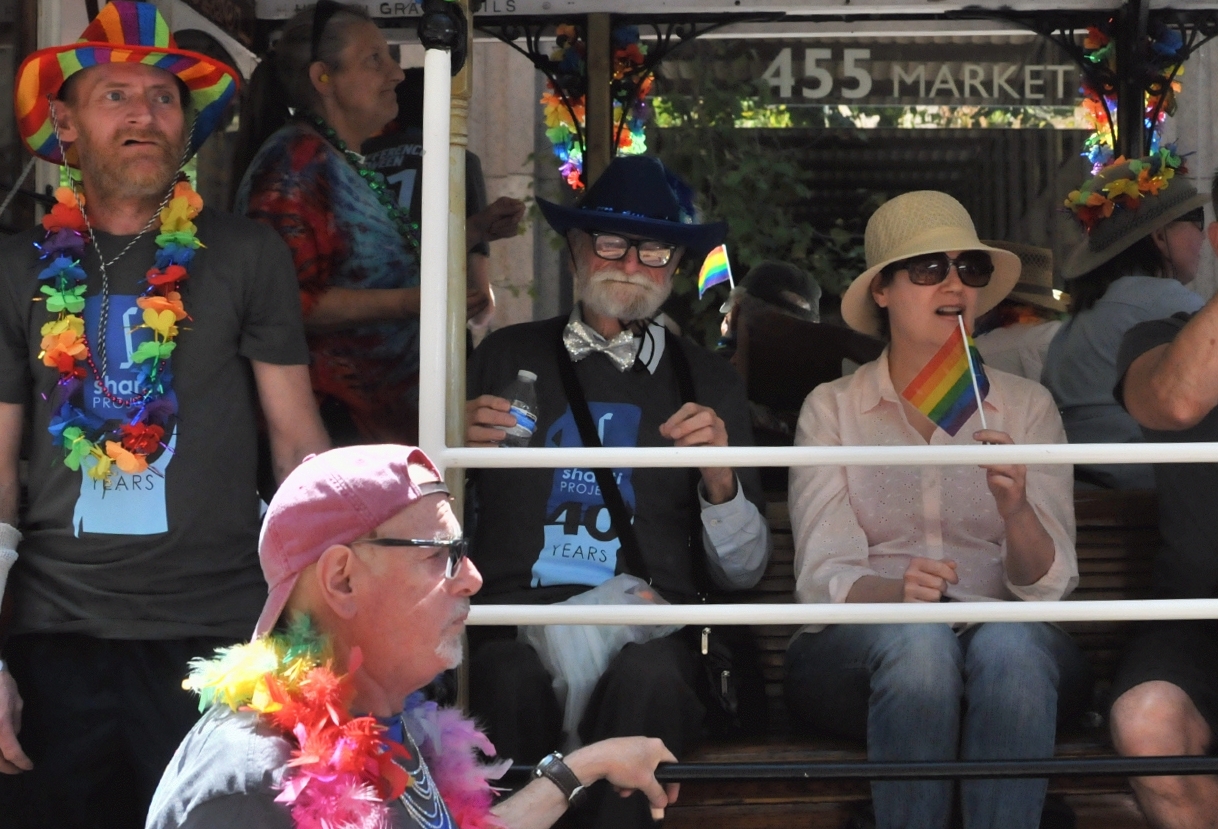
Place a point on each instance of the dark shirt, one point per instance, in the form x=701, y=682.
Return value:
x=228, y=771
x=398, y=156
x=171, y=552
x=1187, y=566
x=544, y=535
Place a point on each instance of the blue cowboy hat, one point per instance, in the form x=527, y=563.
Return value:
x=634, y=196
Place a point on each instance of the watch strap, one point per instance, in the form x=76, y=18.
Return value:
x=559, y=773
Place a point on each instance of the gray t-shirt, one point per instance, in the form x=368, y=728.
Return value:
x=1081, y=369
x=228, y=770
x=170, y=552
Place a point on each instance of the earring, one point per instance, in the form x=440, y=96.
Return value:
x=324, y=78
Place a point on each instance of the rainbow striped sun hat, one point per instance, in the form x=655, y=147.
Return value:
x=123, y=32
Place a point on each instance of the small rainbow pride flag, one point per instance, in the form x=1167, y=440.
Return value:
x=715, y=269
x=945, y=390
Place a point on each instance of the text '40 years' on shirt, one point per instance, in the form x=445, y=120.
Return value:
x=857, y=521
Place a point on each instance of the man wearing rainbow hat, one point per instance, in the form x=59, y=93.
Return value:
x=135, y=327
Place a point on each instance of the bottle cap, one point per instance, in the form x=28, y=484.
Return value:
x=526, y=375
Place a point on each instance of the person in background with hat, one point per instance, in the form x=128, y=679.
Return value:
x=1014, y=335
x=136, y=326
x=778, y=285
x=1143, y=226
x=369, y=589
x=544, y=536
x=1165, y=694
x=942, y=533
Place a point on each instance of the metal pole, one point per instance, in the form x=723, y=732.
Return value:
x=792, y=456
x=458, y=258
x=458, y=261
x=598, y=127
x=433, y=253
x=849, y=613
x=1132, y=23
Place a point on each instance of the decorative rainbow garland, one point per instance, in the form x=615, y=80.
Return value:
x=90, y=442
x=1099, y=47
x=343, y=771
x=1095, y=201
x=570, y=55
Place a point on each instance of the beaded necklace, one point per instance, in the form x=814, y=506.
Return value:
x=90, y=442
x=380, y=188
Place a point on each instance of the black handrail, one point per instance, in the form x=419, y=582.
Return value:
x=956, y=770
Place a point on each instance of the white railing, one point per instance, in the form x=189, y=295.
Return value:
x=433, y=374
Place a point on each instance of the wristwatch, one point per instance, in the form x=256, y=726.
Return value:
x=559, y=773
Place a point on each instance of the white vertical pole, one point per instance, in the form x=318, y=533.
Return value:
x=433, y=303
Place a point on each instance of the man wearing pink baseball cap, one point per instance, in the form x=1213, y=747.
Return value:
x=304, y=725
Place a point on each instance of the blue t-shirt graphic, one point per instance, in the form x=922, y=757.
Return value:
x=580, y=545
x=126, y=503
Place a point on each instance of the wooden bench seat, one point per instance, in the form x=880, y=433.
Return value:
x=1117, y=540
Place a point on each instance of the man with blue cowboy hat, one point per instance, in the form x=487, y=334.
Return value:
x=609, y=374
x=135, y=326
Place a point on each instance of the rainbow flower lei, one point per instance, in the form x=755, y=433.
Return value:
x=89, y=442
x=1097, y=200
x=565, y=125
x=343, y=772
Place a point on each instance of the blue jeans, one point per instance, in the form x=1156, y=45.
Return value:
x=920, y=692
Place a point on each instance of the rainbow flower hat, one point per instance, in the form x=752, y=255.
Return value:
x=123, y=32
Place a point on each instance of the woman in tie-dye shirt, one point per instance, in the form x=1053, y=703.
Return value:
x=357, y=264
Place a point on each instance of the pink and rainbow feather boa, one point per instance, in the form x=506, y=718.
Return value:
x=343, y=773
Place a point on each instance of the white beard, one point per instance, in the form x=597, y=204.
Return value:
x=608, y=294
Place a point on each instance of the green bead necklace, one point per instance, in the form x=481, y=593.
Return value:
x=409, y=229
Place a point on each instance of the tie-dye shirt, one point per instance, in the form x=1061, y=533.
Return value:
x=341, y=237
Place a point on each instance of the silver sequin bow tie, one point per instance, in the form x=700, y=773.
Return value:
x=581, y=341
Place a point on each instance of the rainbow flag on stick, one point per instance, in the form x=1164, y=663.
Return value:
x=951, y=386
x=715, y=269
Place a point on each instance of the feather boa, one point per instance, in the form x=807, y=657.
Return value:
x=343, y=770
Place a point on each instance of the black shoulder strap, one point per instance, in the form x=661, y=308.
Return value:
x=680, y=365
x=620, y=516
x=685, y=381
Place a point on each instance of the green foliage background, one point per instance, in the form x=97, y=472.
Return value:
x=722, y=138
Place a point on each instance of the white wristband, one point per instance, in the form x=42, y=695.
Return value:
x=10, y=537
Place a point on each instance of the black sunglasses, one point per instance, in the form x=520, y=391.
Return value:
x=458, y=548
x=651, y=252
x=974, y=267
x=322, y=13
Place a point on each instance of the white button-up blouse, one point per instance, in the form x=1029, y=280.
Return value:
x=856, y=521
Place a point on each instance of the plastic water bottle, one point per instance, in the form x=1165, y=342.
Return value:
x=523, y=394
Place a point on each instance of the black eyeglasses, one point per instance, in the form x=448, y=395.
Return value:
x=322, y=13
x=458, y=548
x=974, y=267
x=652, y=253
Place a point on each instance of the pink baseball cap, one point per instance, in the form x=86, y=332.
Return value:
x=334, y=498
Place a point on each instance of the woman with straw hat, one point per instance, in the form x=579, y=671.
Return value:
x=871, y=534
x=1143, y=226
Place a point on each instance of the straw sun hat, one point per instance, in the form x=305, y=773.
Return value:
x=913, y=224
x=1163, y=197
x=1035, y=285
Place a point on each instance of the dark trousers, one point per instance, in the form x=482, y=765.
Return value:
x=647, y=690
x=102, y=718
